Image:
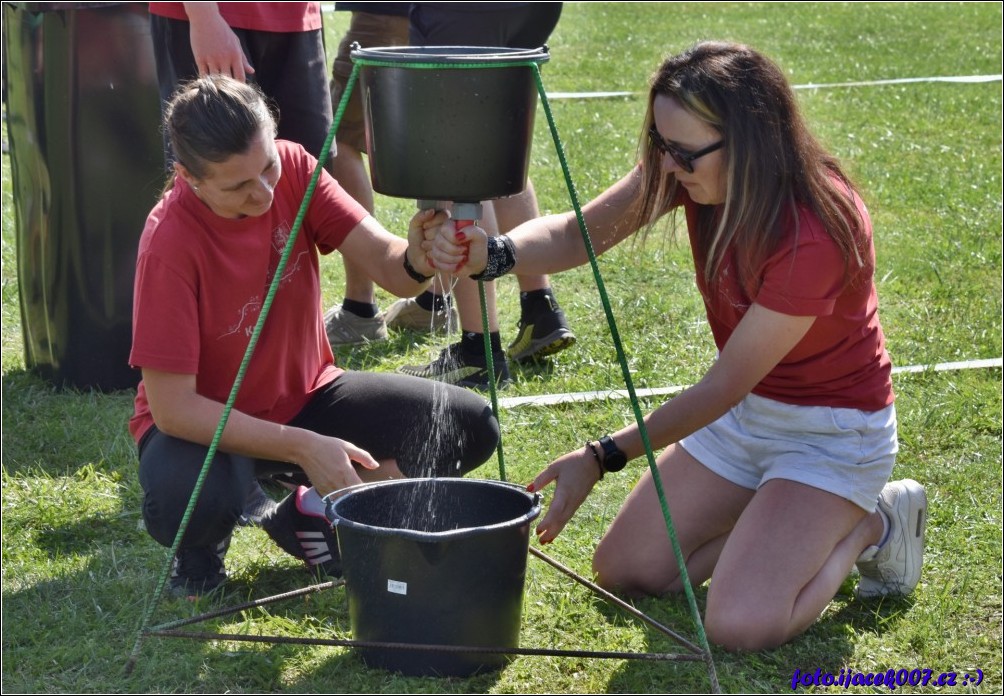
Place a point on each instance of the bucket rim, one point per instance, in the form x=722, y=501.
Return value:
x=333, y=499
x=449, y=55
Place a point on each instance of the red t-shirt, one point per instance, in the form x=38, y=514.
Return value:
x=284, y=17
x=842, y=360
x=201, y=281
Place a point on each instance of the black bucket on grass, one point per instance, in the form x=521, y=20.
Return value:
x=435, y=562
x=448, y=133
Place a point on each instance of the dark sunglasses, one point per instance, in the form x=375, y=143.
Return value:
x=683, y=158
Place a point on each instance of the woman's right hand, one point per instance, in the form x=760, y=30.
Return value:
x=328, y=462
x=457, y=252
x=215, y=46
x=574, y=475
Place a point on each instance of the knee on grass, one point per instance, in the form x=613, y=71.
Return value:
x=626, y=576
x=745, y=629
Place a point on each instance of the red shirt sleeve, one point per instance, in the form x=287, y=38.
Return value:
x=803, y=278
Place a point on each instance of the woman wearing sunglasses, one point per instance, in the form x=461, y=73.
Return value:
x=776, y=464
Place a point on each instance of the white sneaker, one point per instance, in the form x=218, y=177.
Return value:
x=894, y=567
x=406, y=313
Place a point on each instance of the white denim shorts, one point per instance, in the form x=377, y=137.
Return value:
x=844, y=451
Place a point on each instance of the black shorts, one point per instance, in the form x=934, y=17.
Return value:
x=503, y=24
x=369, y=31
x=290, y=68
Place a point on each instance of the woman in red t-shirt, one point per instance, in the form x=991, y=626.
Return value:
x=776, y=464
x=206, y=260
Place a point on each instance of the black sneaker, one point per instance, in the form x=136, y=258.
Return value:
x=257, y=506
x=198, y=571
x=306, y=537
x=542, y=331
x=456, y=366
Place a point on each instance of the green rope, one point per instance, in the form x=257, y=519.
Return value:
x=639, y=418
x=490, y=363
x=256, y=333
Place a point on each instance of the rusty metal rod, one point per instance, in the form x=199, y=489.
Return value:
x=479, y=649
x=250, y=605
x=613, y=599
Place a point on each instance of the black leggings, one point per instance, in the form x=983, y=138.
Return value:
x=431, y=429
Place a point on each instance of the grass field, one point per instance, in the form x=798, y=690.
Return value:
x=78, y=570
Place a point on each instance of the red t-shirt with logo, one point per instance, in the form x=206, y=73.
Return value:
x=201, y=281
x=841, y=361
x=285, y=17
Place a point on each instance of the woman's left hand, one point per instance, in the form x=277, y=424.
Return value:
x=423, y=222
x=574, y=475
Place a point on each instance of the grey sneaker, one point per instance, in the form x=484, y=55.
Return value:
x=347, y=329
x=407, y=314
x=894, y=567
x=198, y=571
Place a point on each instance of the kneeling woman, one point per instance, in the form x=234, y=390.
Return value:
x=206, y=260
x=777, y=462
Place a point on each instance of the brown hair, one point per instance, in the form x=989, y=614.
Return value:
x=773, y=162
x=211, y=118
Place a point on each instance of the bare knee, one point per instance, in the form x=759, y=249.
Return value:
x=745, y=626
x=621, y=572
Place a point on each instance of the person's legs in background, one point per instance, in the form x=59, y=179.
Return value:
x=543, y=329
x=358, y=320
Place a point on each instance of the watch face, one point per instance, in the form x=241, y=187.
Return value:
x=613, y=458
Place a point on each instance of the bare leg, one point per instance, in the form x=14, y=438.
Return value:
x=635, y=555
x=512, y=212
x=783, y=563
x=356, y=320
x=349, y=170
x=775, y=557
x=543, y=329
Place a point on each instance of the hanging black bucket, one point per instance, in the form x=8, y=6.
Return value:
x=448, y=133
x=435, y=562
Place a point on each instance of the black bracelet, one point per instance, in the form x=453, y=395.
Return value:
x=501, y=258
x=410, y=270
x=596, y=455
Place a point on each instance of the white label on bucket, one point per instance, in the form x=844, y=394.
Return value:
x=397, y=587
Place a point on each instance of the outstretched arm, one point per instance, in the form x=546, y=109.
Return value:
x=545, y=245
x=760, y=341
x=383, y=254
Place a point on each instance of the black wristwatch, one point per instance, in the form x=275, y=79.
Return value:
x=613, y=458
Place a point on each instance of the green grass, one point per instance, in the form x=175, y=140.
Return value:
x=78, y=570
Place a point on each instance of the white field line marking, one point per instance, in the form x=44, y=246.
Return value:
x=330, y=7
x=965, y=79
x=578, y=397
